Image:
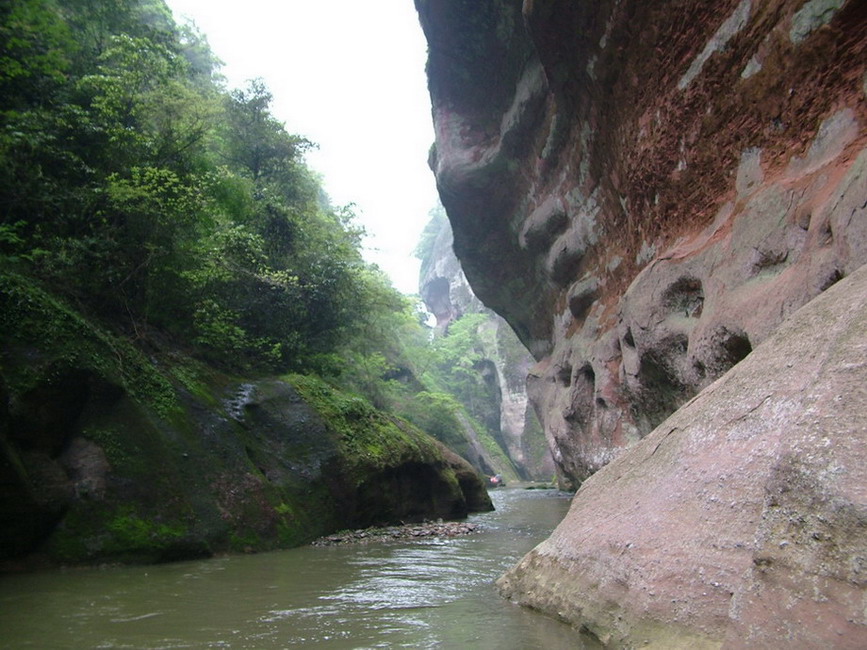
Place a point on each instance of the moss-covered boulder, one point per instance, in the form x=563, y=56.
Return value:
x=113, y=452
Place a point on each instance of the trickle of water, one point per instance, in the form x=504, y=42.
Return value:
x=235, y=405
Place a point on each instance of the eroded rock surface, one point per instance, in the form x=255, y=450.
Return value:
x=645, y=191
x=741, y=520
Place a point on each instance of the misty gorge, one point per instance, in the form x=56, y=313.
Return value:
x=618, y=399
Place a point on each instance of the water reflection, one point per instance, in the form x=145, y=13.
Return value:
x=435, y=593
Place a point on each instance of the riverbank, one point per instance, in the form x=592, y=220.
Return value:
x=403, y=533
x=425, y=592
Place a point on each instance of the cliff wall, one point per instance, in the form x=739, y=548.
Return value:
x=668, y=204
x=447, y=294
x=644, y=191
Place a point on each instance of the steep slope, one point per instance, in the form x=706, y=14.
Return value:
x=113, y=453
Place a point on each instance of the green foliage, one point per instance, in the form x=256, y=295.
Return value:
x=381, y=356
x=36, y=45
x=457, y=359
x=439, y=414
x=31, y=316
x=10, y=238
x=257, y=144
x=136, y=188
x=134, y=184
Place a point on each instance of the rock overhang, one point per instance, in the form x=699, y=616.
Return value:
x=631, y=156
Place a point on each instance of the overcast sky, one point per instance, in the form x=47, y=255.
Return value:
x=348, y=75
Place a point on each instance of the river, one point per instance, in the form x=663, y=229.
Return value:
x=431, y=593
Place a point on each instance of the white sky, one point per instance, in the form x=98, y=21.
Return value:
x=348, y=75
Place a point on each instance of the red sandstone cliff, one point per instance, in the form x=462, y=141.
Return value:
x=646, y=191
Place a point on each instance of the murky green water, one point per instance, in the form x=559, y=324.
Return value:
x=436, y=593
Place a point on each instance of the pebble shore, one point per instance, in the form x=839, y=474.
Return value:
x=408, y=531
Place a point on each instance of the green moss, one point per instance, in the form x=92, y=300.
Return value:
x=97, y=530
x=367, y=438
x=132, y=534
x=289, y=534
x=68, y=543
x=196, y=379
x=112, y=444
x=31, y=316
x=305, y=514
x=242, y=542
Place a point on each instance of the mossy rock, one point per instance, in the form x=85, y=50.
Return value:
x=109, y=454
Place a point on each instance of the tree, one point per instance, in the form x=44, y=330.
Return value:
x=258, y=145
x=141, y=188
x=36, y=50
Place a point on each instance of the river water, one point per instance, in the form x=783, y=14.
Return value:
x=432, y=593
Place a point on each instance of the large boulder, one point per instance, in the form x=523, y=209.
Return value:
x=741, y=520
x=645, y=190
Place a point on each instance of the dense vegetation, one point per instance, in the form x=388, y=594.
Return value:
x=132, y=182
x=170, y=212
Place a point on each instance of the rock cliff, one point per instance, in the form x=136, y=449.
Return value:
x=644, y=191
x=447, y=294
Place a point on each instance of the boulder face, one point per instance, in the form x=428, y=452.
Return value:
x=447, y=294
x=741, y=520
x=645, y=191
